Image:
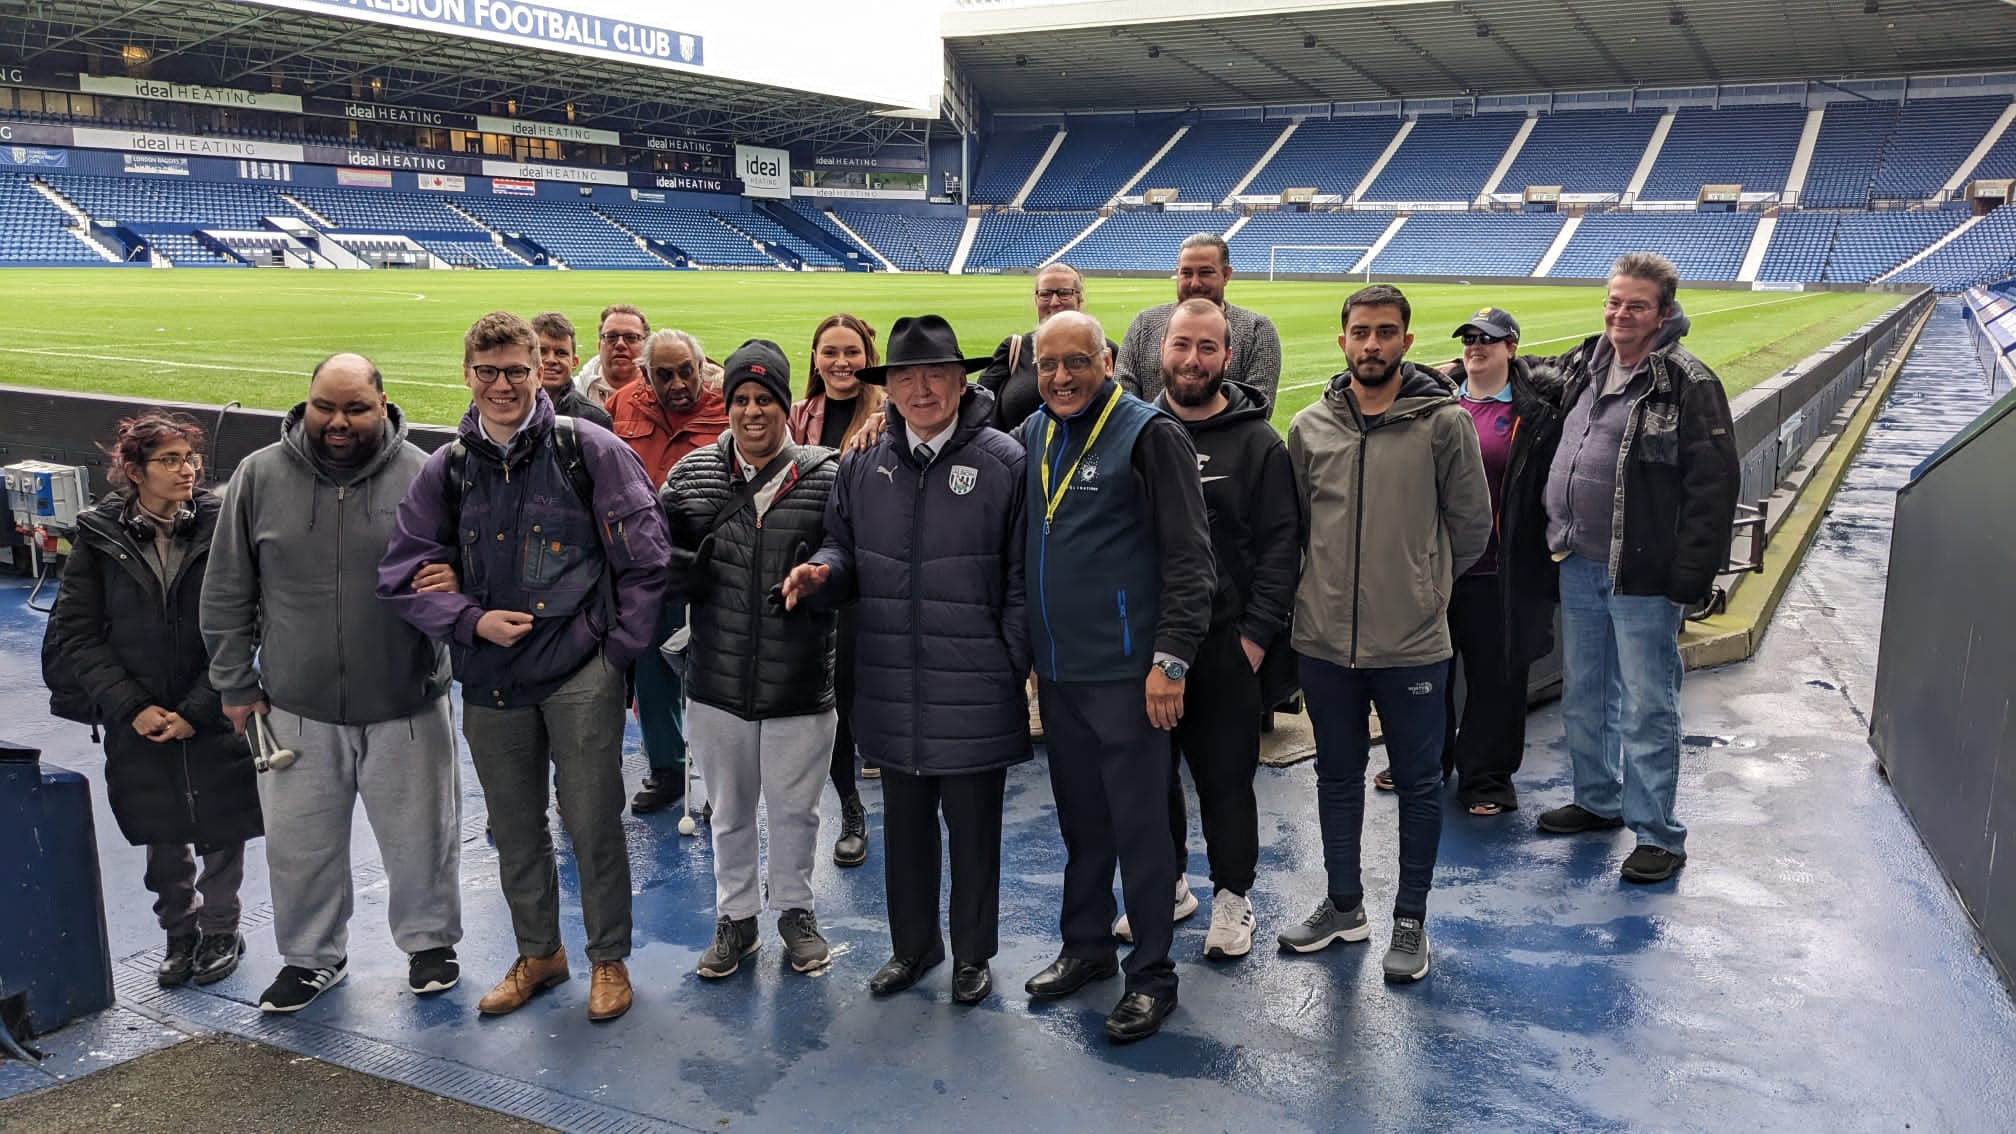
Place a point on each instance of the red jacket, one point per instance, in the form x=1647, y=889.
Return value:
x=660, y=438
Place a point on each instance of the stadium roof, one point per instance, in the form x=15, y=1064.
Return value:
x=245, y=45
x=1127, y=54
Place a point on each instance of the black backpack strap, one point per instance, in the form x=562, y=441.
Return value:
x=455, y=478
x=567, y=447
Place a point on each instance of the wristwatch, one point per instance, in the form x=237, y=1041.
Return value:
x=1173, y=670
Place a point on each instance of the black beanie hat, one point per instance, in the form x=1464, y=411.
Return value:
x=760, y=361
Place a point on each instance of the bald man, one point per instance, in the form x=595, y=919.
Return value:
x=296, y=631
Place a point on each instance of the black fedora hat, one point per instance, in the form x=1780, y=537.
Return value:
x=920, y=340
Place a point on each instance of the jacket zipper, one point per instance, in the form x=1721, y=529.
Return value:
x=1358, y=543
x=917, y=618
x=755, y=613
x=1043, y=554
x=342, y=679
x=1126, y=631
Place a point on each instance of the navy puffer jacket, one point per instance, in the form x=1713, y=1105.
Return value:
x=934, y=557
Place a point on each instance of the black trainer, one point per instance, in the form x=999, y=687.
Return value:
x=1575, y=819
x=852, y=847
x=176, y=967
x=802, y=940
x=297, y=987
x=433, y=970
x=662, y=788
x=734, y=939
x=217, y=957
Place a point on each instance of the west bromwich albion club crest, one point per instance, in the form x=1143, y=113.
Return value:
x=686, y=48
x=962, y=478
x=1088, y=468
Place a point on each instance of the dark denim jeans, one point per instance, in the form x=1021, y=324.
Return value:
x=1412, y=716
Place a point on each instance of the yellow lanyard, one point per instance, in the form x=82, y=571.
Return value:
x=1051, y=500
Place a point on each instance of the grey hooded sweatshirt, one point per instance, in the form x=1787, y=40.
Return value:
x=293, y=576
x=1397, y=508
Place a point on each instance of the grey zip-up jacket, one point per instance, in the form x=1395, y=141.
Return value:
x=1396, y=510
x=293, y=577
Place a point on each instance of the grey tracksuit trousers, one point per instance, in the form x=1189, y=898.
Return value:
x=784, y=763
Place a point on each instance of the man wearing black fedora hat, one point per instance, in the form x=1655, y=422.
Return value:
x=925, y=531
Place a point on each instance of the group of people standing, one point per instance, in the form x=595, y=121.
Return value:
x=875, y=570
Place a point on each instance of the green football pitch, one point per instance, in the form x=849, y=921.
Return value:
x=212, y=336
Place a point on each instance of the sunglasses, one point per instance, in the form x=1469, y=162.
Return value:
x=1474, y=338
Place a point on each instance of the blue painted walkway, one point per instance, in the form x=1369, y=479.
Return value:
x=1808, y=968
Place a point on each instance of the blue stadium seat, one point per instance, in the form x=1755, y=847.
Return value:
x=1009, y=158
x=569, y=230
x=1983, y=254
x=170, y=200
x=1850, y=247
x=702, y=236
x=1331, y=155
x=1481, y=244
x=1092, y=164
x=1210, y=159
x=760, y=227
x=912, y=243
x=1704, y=246
x=1251, y=245
x=383, y=210
x=1144, y=242
x=1933, y=137
x=826, y=224
x=1445, y=159
x=1582, y=151
x=32, y=228
x=1022, y=240
x=1751, y=146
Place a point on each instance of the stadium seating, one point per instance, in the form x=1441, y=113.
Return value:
x=1143, y=242
x=472, y=253
x=382, y=210
x=1751, y=146
x=568, y=230
x=183, y=250
x=1982, y=254
x=1582, y=151
x=1265, y=230
x=1445, y=159
x=32, y=228
x=1847, y=155
x=819, y=217
x=2000, y=160
x=702, y=236
x=1704, y=246
x=1021, y=240
x=1332, y=155
x=1010, y=156
x=912, y=243
x=170, y=200
x=1092, y=164
x=1850, y=247
x=1483, y=244
x=760, y=227
x=1932, y=138
x=1210, y=159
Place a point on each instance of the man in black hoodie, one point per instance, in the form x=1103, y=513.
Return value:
x=1256, y=540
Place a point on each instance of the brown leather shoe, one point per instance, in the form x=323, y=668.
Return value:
x=528, y=977
x=608, y=990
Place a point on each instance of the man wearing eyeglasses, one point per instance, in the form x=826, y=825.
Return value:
x=1120, y=578
x=558, y=596
x=619, y=345
x=669, y=414
x=1640, y=498
x=295, y=631
x=1203, y=268
x=1011, y=374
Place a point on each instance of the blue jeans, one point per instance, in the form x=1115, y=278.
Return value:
x=661, y=700
x=1413, y=717
x=1620, y=701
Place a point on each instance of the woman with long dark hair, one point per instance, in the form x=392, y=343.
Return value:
x=836, y=407
x=125, y=628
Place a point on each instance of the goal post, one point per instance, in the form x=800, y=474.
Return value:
x=1318, y=259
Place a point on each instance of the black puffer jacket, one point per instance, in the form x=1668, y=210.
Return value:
x=129, y=649
x=749, y=656
x=1527, y=584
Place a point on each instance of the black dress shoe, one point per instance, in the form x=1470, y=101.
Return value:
x=1067, y=975
x=662, y=788
x=899, y=973
x=1138, y=1016
x=971, y=983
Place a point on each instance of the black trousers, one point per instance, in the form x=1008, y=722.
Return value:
x=843, y=704
x=971, y=804
x=1488, y=743
x=1109, y=771
x=1220, y=736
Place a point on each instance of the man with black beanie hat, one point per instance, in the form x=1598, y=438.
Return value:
x=742, y=513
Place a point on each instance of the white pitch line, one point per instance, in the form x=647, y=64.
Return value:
x=1579, y=338
x=266, y=370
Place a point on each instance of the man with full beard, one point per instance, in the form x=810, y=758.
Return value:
x=1243, y=664
x=1393, y=483
x=294, y=630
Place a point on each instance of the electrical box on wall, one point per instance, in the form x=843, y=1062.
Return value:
x=42, y=494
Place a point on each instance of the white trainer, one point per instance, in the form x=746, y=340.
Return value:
x=1186, y=904
x=1231, y=932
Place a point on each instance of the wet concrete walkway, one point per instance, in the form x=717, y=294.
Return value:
x=1808, y=968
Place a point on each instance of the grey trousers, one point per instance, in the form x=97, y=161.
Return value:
x=784, y=763
x=577, y=733
x=406, y=774
x=185, y=903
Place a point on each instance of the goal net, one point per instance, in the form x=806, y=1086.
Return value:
x=1317, y=259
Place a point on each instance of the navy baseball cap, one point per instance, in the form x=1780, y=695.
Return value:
x=1494, y=321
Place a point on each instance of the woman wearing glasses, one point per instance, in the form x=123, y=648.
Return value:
x=1501, y=611
x=125, y=626
x=839, y=409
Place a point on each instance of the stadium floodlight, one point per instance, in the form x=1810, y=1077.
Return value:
x=1320, y=265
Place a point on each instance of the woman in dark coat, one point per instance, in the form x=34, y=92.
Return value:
x=125, y=632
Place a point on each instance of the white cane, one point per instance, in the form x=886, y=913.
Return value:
x=267, y=755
